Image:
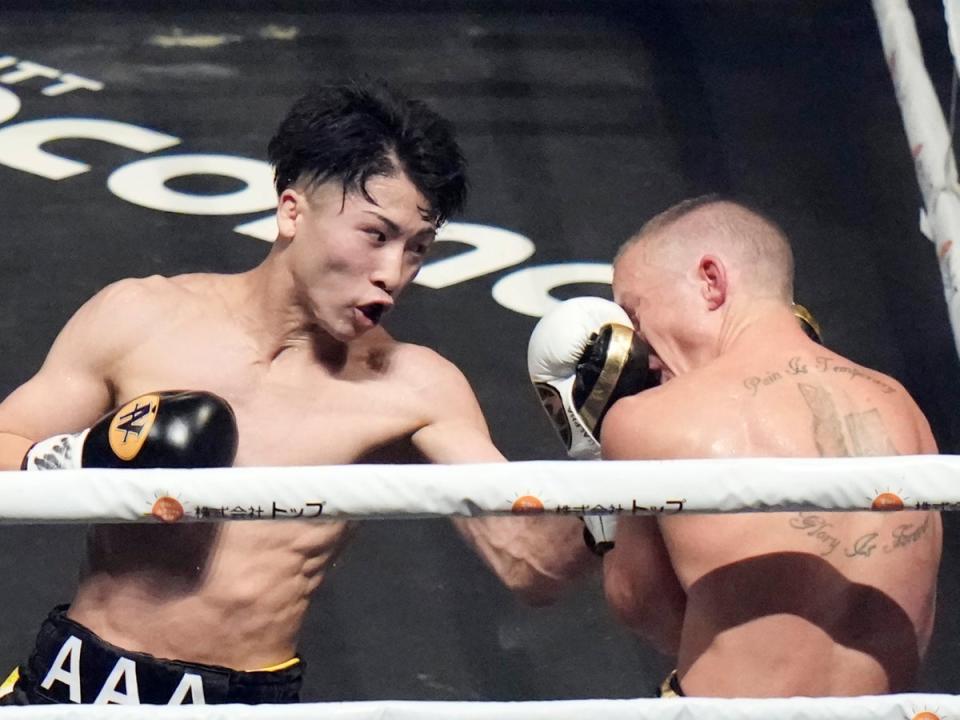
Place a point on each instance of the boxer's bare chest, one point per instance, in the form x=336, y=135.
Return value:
x=292, y=410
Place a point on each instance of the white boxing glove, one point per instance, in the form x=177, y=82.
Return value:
x=582, y=357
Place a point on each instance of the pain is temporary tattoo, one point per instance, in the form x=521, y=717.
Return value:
x=797, y=366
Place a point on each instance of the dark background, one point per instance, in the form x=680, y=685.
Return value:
x=580, y=120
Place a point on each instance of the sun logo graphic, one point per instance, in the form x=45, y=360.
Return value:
x=926, y=715
x=527, y=505
x=166, y=508
x=887, y=501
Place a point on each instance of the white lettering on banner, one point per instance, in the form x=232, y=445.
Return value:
x=67, y=82
x=189, y=683
x=26, y=70
x=9, y=105
x=142, y=183
x=527, y=291
x=126, y=670
x=20, y=143
x=493, y=249
x=71, y=678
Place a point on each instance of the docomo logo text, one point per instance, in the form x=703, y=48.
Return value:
x=145, y=183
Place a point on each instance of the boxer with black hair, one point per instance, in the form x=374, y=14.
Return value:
x=285, y=364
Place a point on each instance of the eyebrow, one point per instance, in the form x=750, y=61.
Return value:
x=395, y=229
x=391, y=225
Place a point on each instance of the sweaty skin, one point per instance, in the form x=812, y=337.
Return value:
x=767, y=604
x=312, y=380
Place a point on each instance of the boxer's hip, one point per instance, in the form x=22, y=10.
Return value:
x=71, y=664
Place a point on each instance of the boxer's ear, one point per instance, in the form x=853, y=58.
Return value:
x=288, y=210
x=713, y=281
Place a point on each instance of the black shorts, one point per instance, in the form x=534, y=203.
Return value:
x=70, y=664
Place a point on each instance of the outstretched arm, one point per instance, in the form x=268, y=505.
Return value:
x=535, y=557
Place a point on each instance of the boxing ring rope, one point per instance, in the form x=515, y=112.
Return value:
x=549, y=487
x=920, y=482
x=929, y=139
x=889, y=707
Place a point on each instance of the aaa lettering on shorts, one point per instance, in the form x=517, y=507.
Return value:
x=120, y=686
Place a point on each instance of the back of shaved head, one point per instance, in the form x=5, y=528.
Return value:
x=750, y=244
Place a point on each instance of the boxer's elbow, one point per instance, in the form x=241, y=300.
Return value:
x=533, y=558
x=651, y=610
x=531, y=585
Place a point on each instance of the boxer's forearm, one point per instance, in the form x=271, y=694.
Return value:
x=642, y=586
x=12, y=449
x=534, y=557
x=658, y=619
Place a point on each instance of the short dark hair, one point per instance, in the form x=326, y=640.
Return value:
x=353, y=131
x=760, y=241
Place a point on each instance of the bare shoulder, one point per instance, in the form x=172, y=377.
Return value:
x=143, y=294
x=642, y=426
x=126, y=310
x=119, y=307
x=426, y=369
x=683, y=418
x=875, y=392
x=451, y=424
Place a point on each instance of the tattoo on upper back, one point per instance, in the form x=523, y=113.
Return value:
x=822, y=364
x=827, y=428
x=868, y=434
x=864, y=429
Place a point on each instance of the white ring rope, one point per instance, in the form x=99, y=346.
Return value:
x=887, y=707
x=930, y=143
x=552, y=487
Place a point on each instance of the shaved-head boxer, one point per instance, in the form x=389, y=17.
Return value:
x=772, y=604
x=290, y=360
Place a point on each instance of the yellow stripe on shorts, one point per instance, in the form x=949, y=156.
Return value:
x=7, y=687
x=280, y=666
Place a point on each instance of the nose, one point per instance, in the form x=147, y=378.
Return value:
x=387, y=273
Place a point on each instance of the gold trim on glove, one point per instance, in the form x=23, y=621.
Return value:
x=806, y=318
x=618, y=350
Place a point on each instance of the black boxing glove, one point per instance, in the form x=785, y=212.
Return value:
x=171, y=429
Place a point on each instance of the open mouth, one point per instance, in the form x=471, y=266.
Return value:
x=373, y=312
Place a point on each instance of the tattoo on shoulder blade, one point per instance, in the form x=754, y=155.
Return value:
x=827, y=428
x=865, y=430
x=868, y=434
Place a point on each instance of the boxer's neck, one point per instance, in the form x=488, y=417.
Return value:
x=275, y=316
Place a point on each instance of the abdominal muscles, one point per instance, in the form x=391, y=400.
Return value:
x=231, y=593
